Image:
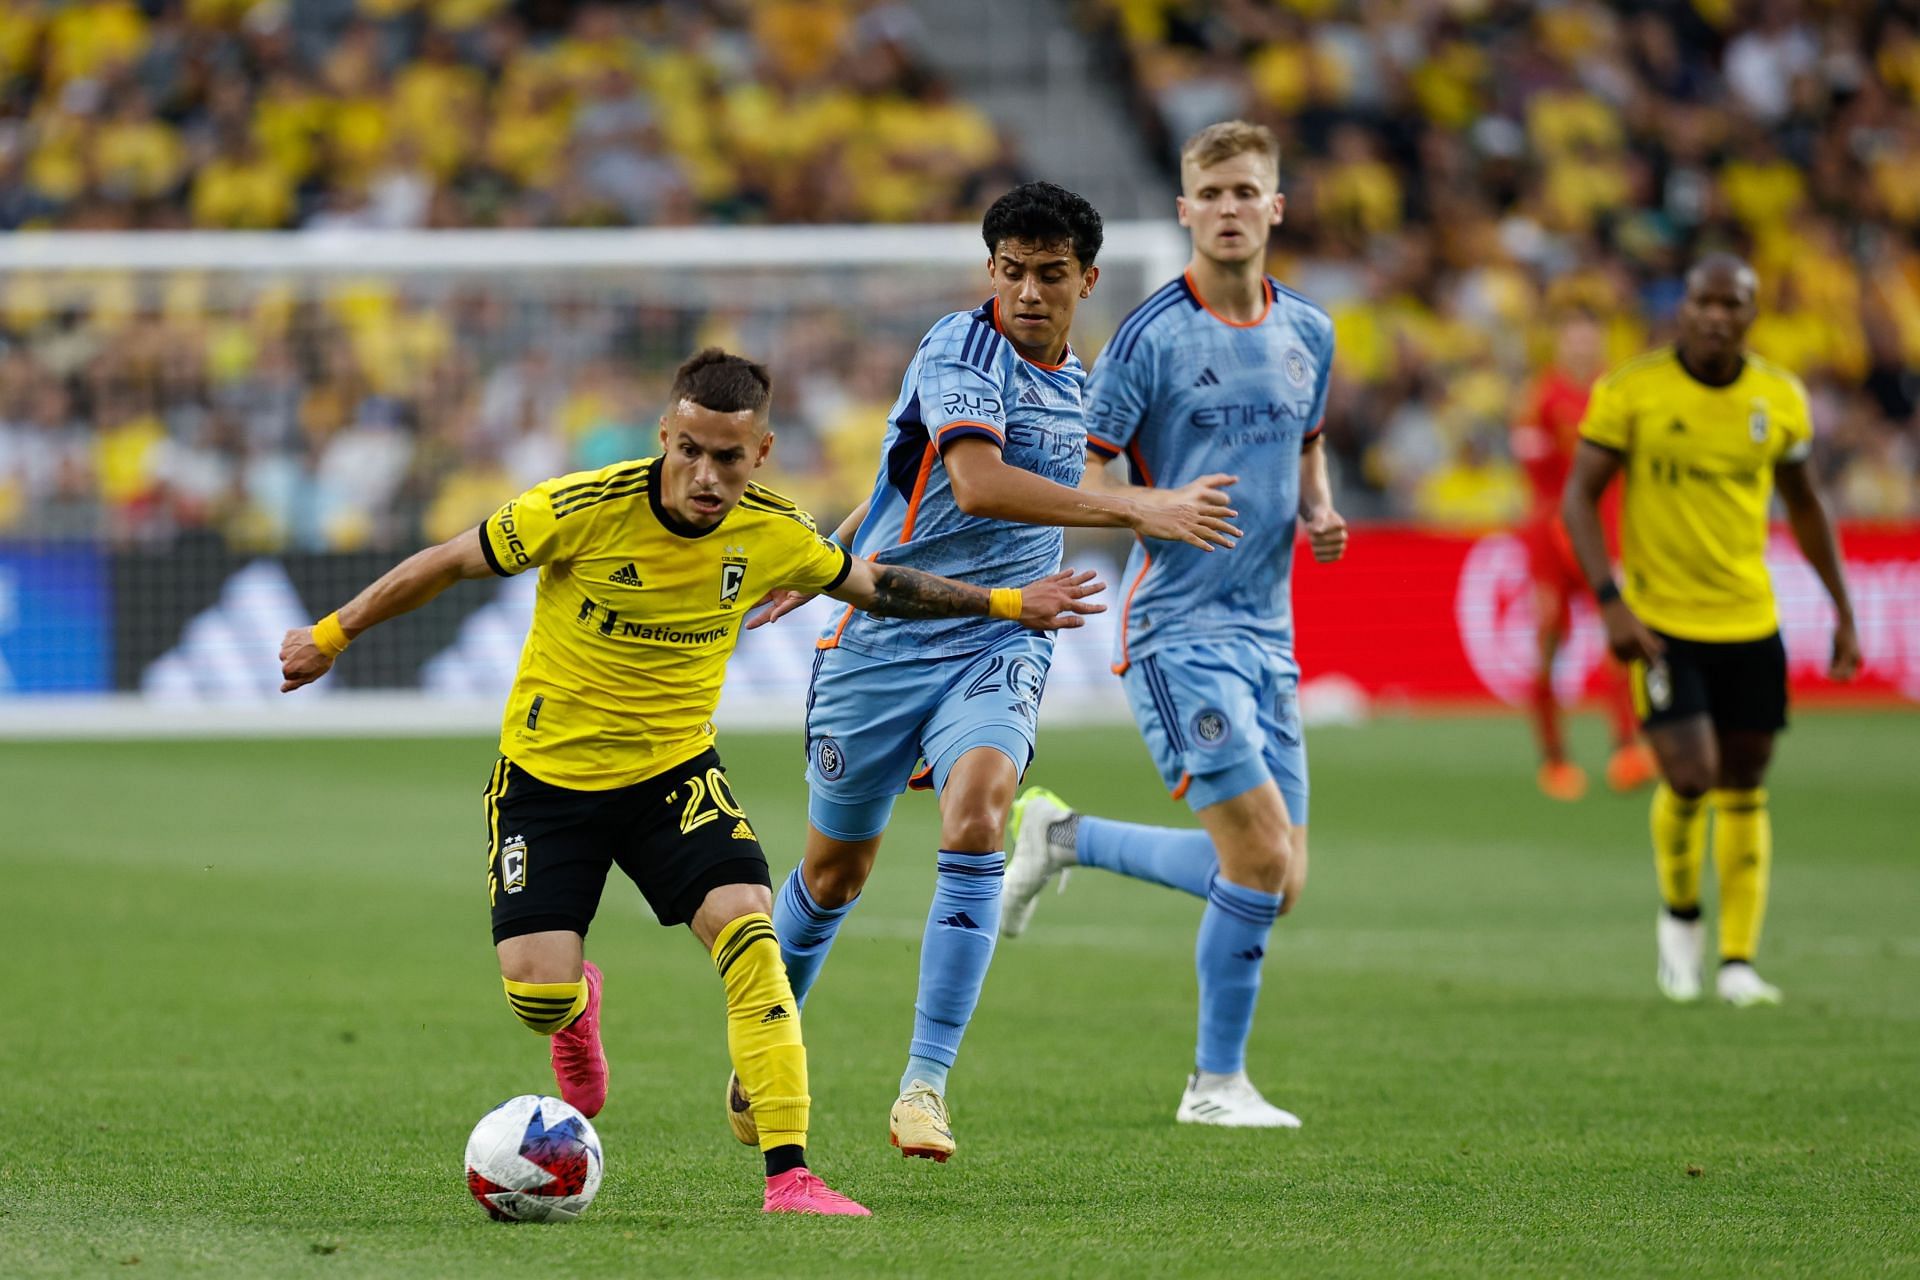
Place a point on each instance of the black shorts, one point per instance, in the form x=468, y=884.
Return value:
x=677, y=835
x=1740, y=685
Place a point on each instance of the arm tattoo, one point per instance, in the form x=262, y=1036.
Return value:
x=908, y=593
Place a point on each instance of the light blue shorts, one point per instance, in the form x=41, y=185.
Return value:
x=1220, y=718
x=871, y=720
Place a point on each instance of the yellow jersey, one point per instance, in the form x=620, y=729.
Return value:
x=1698, y=471
x=635, y=616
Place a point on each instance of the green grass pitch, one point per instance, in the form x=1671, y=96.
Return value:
x=253, y=1012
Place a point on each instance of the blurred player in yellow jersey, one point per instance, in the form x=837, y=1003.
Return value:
x=606, y=752
x=1704, y=430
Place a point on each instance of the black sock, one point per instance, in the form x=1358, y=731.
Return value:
x=1685, y=913
x=784, y=1159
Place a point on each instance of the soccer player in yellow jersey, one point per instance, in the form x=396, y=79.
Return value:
x=607, y=756
x=1704, y=431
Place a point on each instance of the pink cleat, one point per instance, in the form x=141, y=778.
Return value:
x=799, y=1191
x=579, y=1063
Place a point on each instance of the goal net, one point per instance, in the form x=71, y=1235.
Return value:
x=207, y=439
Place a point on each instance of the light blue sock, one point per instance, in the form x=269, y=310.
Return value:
x=1178, y=857
x=1227, y=956
x=806, y=930
x=962, y=925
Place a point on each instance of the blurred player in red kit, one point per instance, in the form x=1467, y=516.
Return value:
x=1543, y=443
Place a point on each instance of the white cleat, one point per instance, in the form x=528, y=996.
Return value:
x=1231, y=1102
x=1032, y=858
x=1742, y=988
x=1682, y=943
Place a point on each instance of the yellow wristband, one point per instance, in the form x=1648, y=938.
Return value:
x=1003, y=602
x=329, y=637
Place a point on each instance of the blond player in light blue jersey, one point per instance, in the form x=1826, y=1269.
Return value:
x=1222, y=370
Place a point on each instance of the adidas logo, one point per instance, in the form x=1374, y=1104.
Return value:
x=625, y=575
x=1255, y=952
x=1207, y=378
x=776, y=1014
x=960, y=920
x=1031, y=395
x=741, y=831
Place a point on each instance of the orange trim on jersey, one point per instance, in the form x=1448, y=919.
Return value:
x=1266, y=287
x=1126, y=611
x=1146, y=563
x=1180, y=792
x=1038, y=364
x=906, y=533
x=998, y=434
x=919, y=491
x=1108, y=445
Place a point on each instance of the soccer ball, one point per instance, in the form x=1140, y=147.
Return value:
x=533, y=1159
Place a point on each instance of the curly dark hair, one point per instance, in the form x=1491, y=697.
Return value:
x=723, y=382
x=1044, y=213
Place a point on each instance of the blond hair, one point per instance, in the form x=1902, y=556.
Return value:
x=1227, y=139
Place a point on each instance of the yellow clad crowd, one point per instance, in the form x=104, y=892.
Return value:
x=1459, y=174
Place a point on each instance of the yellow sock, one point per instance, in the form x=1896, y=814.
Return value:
x=546, y=1007
x=1679, y=847
x=763, y=1030
x=1743, y=857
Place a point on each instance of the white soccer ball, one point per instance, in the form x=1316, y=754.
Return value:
x=533, y=1159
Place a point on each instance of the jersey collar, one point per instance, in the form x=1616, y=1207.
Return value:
x=671, y=523
x=1266, y=289
x=1738, y=371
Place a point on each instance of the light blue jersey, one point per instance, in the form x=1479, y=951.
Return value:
x=965, y=382
x=1182, y=392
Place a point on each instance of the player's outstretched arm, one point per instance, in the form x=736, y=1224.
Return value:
x=1807, y=516
x=1326, y=528
x=405, y=587
x=778, y=603
x=1594, y=467
x=985, y=484
x=1052, y=603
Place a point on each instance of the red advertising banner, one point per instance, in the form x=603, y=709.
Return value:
x=1416, y=616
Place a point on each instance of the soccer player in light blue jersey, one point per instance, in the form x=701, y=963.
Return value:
x=1223, y=370
x=980, y=467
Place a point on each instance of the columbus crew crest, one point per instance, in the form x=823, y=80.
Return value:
x=513, y=864
x=733, y=574
x=1757, y=422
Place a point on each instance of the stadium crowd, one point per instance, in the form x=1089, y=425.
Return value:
x=1459, y=174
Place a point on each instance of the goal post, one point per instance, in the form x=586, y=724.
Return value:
x=206, y=438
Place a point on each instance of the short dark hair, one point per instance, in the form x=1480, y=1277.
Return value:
x=723, y=382
x=1044, y=213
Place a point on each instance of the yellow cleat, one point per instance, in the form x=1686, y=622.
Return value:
x=919, y=1123
x=740, y=1112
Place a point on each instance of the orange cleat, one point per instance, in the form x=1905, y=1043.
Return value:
x=1632, y=767
x=1563, y=781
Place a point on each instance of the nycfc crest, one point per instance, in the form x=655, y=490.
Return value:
x=1211, y=728
x=1295, y=363
x=733, y=573
x=832, y=763
x=1757, y=422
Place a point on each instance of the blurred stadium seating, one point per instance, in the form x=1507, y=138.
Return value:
x=1459, y=174
x=1457, y=171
